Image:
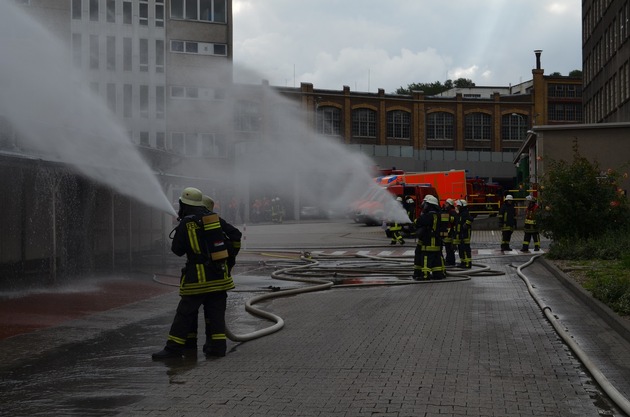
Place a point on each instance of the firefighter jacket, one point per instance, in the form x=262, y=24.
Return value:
x=530, y=217
x=203, y=243
x=463, y=228
x=448, y=218
x=428, y=230
x=507, y=217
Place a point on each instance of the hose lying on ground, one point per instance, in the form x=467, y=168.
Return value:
x=618, y=398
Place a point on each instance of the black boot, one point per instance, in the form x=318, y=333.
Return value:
x=216, y=348
x=166, y=353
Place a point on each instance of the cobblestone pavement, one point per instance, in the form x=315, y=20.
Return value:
x=467, y=347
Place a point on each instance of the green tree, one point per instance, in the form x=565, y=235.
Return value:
x=575, y=73
x=579, y=201
x=436, y=87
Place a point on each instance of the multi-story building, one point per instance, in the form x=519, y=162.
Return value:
x=603, y=136
x=606, y=60
x=478, y=129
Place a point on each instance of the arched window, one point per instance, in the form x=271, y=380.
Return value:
x=514, y=126
x=398, y=123
x=364, y=123
x=478, y=127
x=328, y=121
x=440, y=126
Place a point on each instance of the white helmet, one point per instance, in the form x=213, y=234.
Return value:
x=530, y=198
x=450, y=201
x=431, y=200
x=399, y=198
x=509, y=197
x=462, y=203
x=192, y=196
x=208, y=202
x=410, y=201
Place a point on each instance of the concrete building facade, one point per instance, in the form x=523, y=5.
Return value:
x=606, y=60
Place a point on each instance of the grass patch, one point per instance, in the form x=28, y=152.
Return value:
x=607, y=280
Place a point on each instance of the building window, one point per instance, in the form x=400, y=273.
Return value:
x=160, y=142
x=514, y=126
x=328, y=121
x=247, y=116
x=440, y=126
x=93, y=51
x=398, y=124
x=364, y=123
x=111, y=11
x=159, y=55
x=94, y=10
x=177, y=143
x=144, y=55
x=159, y=101
x=144, y=139
x=213, y=145
x=567, y=112
x=127, y=13
x=202, y=10
x=564, y=90
x=127, y=54
x=127, y=100
x=111, y=97
x=144, y=101
x=201, y=48
x=111, y=53
x=478, y=127
x=76, y=9
x=77, y=49
x=191, y=145
x=143, y=13
x=159, y=14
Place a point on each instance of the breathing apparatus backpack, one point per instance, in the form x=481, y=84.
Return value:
x=214, y=239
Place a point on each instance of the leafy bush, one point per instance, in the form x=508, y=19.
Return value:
x=579, y=201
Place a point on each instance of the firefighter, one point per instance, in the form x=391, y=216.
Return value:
x=410, y=208
x=428, y=262
x=204, y=280
x=464, y=234
x=507, y=222
x=531, y=229
x=232, y=238
x=448, y=220
x=277, y=210
x=394, y=229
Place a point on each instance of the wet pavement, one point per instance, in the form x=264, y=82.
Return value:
x=470, y=346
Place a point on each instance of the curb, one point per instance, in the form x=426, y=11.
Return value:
x=611, y=318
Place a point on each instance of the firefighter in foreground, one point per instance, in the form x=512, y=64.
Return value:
x=531, y=229
x=507, y=222
x=233, y=242
x=464, y=234
x=428, y=262
x=205, y=279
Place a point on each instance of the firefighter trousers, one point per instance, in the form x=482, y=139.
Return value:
x=428, y=264
x=185, y=322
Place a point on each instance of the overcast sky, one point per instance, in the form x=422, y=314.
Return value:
x=369, y=44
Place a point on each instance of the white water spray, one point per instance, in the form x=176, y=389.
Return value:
x=59, y=119
x=288, y=158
